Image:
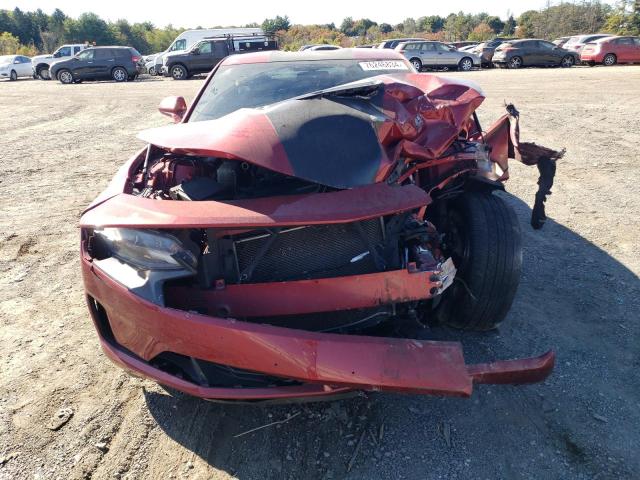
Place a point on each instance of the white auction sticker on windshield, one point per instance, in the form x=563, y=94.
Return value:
x=384, y=65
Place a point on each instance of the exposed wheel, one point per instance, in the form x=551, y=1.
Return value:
x=119, y=74
x=13, y=76
x=465, y=64
x=482, y=235
x=179, y=72
x=65, y=76
x=515, y=62
x=417, y=63
x=152, y=71
x=609, y=59
x=44, y=74
x=567, y=61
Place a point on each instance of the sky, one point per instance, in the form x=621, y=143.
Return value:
x=193, y=13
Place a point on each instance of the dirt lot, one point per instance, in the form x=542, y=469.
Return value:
x=579, y=295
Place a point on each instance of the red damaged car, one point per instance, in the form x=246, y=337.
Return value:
x=251, y=251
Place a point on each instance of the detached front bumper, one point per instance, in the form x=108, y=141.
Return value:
x=134, y=331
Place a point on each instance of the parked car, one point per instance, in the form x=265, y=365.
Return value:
x=437, y=55
x=611, y=50
x=577, y=42
x=316, y=48
x=251, y=251
x=187, y=39
x=42, y=63
x=150, y=68
x=207, y=54
x=150, y=63
x=532, y=53
x=100, y=63
x=15, y=66
x=394, y=42
x=485, y=50
x=559, y=42
x=460, y=45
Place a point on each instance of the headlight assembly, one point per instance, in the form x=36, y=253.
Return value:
x=146, y=249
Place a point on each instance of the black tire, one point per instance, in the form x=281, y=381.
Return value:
x=152, y=71
x=591, y=64
x=43, y=73
x=466, y=64
x=515, y=62
x=13, y=76
x=417, y=63
x=609, y=60
x=482, y=235
x=120, y=74
x=567, y=61
x=65, y=76
x=179, y=72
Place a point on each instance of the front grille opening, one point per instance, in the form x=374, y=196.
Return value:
x=209, y=374
x=309, y=252
x=101, y=319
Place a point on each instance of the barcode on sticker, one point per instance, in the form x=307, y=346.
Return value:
x=384, y=65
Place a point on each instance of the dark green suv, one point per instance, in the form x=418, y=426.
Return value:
x=207, y=53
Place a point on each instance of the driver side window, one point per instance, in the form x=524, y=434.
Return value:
x=179, y=45
x=86, y=55
x=205, y=47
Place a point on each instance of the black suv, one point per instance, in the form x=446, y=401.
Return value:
x=207, y=53
x=99, y=63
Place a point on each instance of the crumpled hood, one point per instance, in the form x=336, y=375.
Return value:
x=349, y=137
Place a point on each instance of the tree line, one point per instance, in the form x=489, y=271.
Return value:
x=29, y=33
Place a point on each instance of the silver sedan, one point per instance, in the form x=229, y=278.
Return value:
x=437, y=55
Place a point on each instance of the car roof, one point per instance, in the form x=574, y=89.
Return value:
x=606, y=39
x=318, y=55
x=105, y=46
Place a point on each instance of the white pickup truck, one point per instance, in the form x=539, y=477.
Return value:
x=41, y=63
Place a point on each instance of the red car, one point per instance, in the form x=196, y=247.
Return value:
x=254, y=250
x=611, y=50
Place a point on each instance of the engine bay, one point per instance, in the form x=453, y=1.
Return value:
x=190, y=178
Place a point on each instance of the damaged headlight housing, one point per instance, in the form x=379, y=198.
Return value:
x=146, y=249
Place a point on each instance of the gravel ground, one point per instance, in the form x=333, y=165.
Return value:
x=67, y=412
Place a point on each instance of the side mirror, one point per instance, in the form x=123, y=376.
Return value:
x=174, y=107
x=16, y=61
x=195, y=52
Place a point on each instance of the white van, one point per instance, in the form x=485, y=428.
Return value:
x=188, y=38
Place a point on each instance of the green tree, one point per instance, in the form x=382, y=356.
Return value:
x=385, y=28
x=346, y=26
x=272, y=25
x=409, y=26
x=88, y=28
x=8, y=44
x=495, y=24
x=509, y=27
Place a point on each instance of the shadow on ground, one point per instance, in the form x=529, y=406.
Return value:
x=580, y=423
